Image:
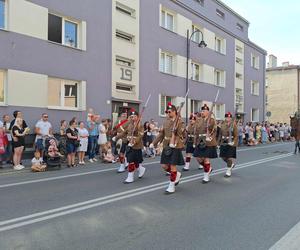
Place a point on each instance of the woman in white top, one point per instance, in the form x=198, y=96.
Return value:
x=83, y=136
x=102, y=139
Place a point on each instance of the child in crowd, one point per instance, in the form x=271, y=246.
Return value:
x=108, y=156
x=53, y=150
x=37, y=163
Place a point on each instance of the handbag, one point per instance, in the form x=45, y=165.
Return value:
x=76, y=143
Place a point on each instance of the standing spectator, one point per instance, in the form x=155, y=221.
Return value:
x=18, y=114
x=6, y=126
x=3, y=144
x=286, y=132
x=102, y=139
x=281, y=132
x=72, y=143
x=240, y=133
x=63, y=138
x=43, y=129
x=247, y=128
x=18, y=135
x=258, y=132
x=264, y=134
x=83, y=136
x=92, y=127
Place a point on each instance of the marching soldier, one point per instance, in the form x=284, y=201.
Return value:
x=120, y=128
x=172, y=137
x=190, y=135
x=134, y=133
x=228, y=141
x=205, y=141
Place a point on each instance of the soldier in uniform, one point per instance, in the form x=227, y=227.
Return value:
x=205, y=141
x=295, y=124
x=172, y=138
x=190, y=135
x=119, y=128
x=134, y=134
x=228, y=141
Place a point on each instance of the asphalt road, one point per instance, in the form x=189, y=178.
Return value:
x=90, y=207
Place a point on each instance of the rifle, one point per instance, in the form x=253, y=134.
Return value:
x=139, y=119
x=175, y=125
x=208, y=135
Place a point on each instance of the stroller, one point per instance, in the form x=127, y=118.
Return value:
x=51, y=156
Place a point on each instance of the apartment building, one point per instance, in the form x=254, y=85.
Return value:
x=67, y=56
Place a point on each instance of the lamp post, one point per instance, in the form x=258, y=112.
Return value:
x=202, y=44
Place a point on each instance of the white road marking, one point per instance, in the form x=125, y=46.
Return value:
x=101, y=171
x=54, y=213
x=291, y=240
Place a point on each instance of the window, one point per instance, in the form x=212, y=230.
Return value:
x=200, y=1
x=2, y=14
x=166, y=63
x=62, y=31
x=164, y=100
x=239, y=27
x=254, y=87
x=124, y=61
x=220, y=45
x=220, y=78
x=255, y=115
x=195, y=72
x=239, y=60
x=220, y=13
x=239, y=98
x=239, y=49
x=219, y=111
x=197, y=35
x=124, y=87
x=63, y=93
x=195, y=106
x=254, y=61
x=125, y=9
x=71, y=34
x=239, y=76
x=124, y=36
x=2, y=86
x=167, y=20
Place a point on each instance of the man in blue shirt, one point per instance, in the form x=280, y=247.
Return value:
x=92, y=127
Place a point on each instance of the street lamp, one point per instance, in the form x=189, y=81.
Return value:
x=202, y=44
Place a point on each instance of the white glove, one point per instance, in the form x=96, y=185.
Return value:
x=151, y=145
x=113, y=139
x=231, y=143
x=172, y=145
x=194, y=146
x=130, y=145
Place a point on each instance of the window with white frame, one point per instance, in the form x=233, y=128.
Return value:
x=219, y=111
x=124, y=36
x=63, y=93
x=124, y=61
x=220, y=45
x=239, y=60
x=220, y=13
x=220, y=78
x=197, y=35
x=239, y=49
x=164, y=100
x=195, y=106
x=239, y=76
x=63, y=31
x=166, y=63
x=2, y=86
x=254, y=61
x=254, y=87
x=254, y=115
x=167, y=20
x=240, y=27
x=125, y=9
x=2, y=14
x=196, y=72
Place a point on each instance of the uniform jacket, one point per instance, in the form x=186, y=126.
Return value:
x=225, y=131
x=137, y=135
x=201, y=131
x=166, y=133
x=121, y=129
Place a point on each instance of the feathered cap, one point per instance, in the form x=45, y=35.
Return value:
x=228, y=114
x=133, y=112
x=205, y=107
x=170, y=106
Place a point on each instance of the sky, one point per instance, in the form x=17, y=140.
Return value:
x=274, y=26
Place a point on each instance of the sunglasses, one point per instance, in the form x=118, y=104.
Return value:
x=168, y=112
x=45, y=116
